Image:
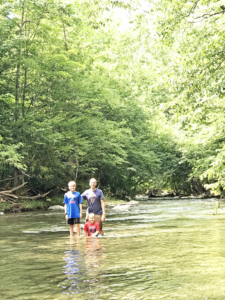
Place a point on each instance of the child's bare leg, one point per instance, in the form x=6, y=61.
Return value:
x=78, y=229
x=71, y=230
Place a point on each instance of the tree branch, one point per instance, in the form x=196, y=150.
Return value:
x=205, y=16
x=38, y=23
x=10, y=178
x=217, y=67
x=28, y=84
x=193, y=7
x=218, y=52
x=9, y=200
x=26, y=174
x=13, y=21
x=16, y=188
x=28, y=21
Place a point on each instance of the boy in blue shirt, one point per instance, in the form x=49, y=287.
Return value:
x=73, y=208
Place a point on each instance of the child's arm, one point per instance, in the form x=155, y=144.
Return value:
x=85, y=233
x=80, y=205
x=66, y=216
x=103, y=209
x=95, y=234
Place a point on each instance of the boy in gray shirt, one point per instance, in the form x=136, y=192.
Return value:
x=96, y=204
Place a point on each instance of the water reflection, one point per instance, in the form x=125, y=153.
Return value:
x=83, y=268
x=72, y=270
x=93, y=257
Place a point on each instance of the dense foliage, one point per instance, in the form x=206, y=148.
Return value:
x=136, y=106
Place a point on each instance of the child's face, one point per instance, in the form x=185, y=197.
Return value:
x=92, y=183
x=72, y=187
x=92, y=219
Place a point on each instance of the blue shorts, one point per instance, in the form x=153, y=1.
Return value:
x=73, y=221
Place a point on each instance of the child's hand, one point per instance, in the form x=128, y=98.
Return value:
x=66, y=216
x=80, y=215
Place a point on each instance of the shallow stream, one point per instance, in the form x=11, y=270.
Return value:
x=161, y=249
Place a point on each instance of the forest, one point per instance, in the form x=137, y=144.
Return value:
x=129, y=92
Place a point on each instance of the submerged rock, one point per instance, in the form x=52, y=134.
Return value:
x=122, y=207
x=56, y=207
x=141, y=197
x=1, y=213
x=133, y=202
x=129, y=203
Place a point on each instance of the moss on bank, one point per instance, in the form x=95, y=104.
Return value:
x=32, y=204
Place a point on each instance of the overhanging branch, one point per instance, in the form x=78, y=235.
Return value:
x=219, y=52
x=206, y=16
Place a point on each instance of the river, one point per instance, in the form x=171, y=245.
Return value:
x=161, y=249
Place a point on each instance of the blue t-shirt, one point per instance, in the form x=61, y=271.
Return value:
x=73, y=200
x=94, y=200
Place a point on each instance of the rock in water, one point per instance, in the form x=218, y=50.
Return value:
x=56, y=207
x=1, y=213
x=81, y=227
x=17, y=207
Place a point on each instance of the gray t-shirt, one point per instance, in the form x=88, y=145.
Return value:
x=94, y=200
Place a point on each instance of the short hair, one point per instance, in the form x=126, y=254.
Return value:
x=91, y=214
x=72, y=183
x=93, y=179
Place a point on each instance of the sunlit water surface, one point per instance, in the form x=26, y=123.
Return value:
x=161, y=249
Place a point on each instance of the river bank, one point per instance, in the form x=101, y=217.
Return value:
x=38, y=204
x=44, y=204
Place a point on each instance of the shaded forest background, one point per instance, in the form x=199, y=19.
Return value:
x=129, y=92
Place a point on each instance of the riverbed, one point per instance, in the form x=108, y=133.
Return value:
x=161, y=249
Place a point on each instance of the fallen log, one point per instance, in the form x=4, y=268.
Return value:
x=10, y=200
x=35, y=197
x=25, y=192
x=7, y=194
x=14, y=189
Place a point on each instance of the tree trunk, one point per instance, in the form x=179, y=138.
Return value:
x=77, y=167
x=15, y=177
x=197, y=185
x=64, y=33
x=17, y=92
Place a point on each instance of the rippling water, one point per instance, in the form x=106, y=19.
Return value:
x=161, y=249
